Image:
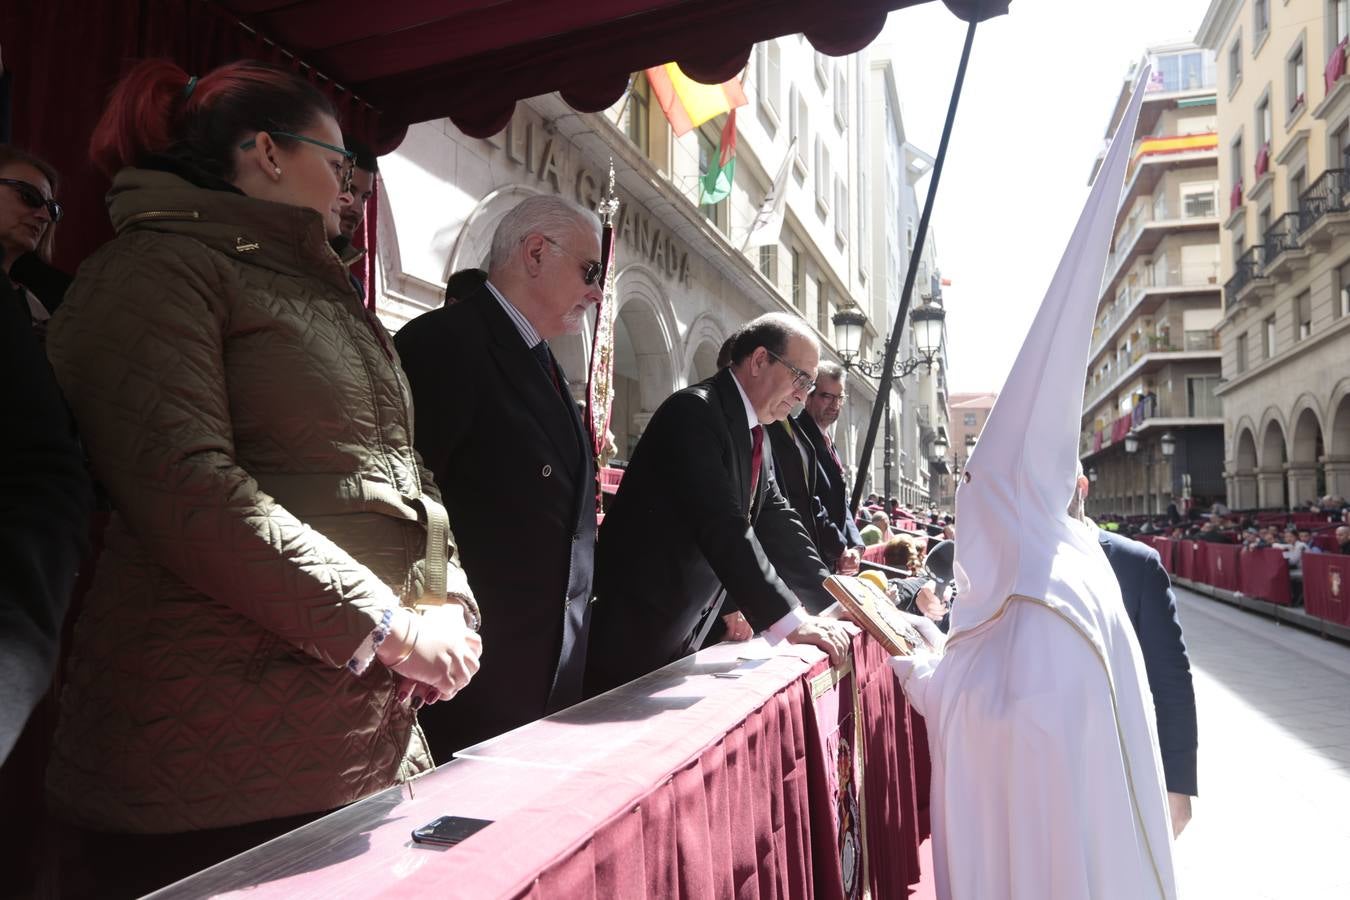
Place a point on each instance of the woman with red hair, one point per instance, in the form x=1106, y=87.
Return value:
x=251, y=653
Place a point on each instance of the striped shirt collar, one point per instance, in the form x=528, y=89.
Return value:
x=527, y=332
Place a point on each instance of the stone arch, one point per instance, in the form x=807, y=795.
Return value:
x=1271, y=439
x=646, y=370
x=1307, y=431
x=1274, y=456
x=470, y=249
x=1306, y=482
x=1336, y=460
x=1241, y=476
x=1339, y=416
x=706, y=336
x=1244, y=450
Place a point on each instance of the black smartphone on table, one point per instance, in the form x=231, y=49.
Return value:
x=449, y=830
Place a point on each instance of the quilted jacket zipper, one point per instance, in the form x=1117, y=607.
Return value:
x=161, y=214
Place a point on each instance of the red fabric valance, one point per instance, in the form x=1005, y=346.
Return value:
x=424, y=59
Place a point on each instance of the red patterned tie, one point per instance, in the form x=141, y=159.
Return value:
x=830, y=444
x=756, y=457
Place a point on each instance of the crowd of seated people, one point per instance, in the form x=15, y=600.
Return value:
x=1320, y=526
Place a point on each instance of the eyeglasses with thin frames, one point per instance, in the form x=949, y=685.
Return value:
x=32, y=198
x=803, y=381
x=590, y=268
x=343, y=170
x=831, y=399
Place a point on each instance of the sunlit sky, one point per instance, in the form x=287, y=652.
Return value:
x=1038, y=93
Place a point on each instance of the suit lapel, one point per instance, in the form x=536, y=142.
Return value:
x=729, y=396
x=523, y=375
x=824, y=462
x=799, y=439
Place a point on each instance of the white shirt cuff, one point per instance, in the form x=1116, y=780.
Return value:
x=778, y=631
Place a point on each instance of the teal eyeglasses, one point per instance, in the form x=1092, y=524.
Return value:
x=343, y=170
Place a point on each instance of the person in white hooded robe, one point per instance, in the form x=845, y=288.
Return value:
x=1047, y=781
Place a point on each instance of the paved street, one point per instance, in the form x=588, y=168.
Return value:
x=1273, y=818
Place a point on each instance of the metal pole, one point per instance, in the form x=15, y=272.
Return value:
x=888, y=451
x=893, y=343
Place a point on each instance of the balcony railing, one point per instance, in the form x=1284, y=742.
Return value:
x=1325, y=195
x=1203, y=405
x=1283, y=235
x=1247, y=269
x=1129, y=300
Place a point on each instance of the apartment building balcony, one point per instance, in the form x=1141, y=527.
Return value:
x=1148, y=414
x=1150, y=356
x=1154, y=156
x=1143, y=238
x=1285, y=254
x=1325, y=207
x=1249, y=281
x=1145, y=298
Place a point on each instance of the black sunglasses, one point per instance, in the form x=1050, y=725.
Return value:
x=590, y=271
x=32, y=198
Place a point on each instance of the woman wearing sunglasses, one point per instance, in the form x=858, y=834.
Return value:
x=248, y=656
x=28, y=217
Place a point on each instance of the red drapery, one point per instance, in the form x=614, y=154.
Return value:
x=1185, y=560
x=1326, y=586
x=1264, y=574
x=681, y=784
x=56, y=103
x=1223, y=566
x=1167, y=550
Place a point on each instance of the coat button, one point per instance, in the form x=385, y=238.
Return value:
x=546, y=471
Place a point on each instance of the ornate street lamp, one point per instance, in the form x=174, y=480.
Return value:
x=1168, y=443
x=848, y=329
x=1092, y=475
x=927, y=323
x=1131, y=443
x=940, y=447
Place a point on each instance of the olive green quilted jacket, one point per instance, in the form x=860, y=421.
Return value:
x=254, y=430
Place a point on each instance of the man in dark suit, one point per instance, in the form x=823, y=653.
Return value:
x=498, y=428
x=840, y=543
x=1152, y=608
x=698, y=516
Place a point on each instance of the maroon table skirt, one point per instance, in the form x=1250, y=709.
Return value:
x=1326, y=586
x=1223, y=567
x=1167, y=549
x=708, y=778
x=1264, y=574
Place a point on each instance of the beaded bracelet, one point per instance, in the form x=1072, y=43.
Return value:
x=412, y=645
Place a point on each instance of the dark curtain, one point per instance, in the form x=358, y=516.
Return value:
x=64, y=56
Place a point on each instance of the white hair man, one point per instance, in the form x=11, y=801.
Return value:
x=497, y=426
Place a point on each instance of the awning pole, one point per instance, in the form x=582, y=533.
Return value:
x=893, y=342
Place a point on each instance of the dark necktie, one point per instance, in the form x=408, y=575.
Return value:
x=545, y=357
x=756, y=457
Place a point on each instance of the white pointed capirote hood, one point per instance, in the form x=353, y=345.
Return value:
x=1014, y=534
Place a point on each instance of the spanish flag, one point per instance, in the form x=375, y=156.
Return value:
x=687, y=103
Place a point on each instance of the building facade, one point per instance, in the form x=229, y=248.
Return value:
x=687, y=274
x=1152, y=424
x=1284, y=129
x=969, y=413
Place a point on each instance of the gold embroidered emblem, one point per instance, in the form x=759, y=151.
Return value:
x=243, y=246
